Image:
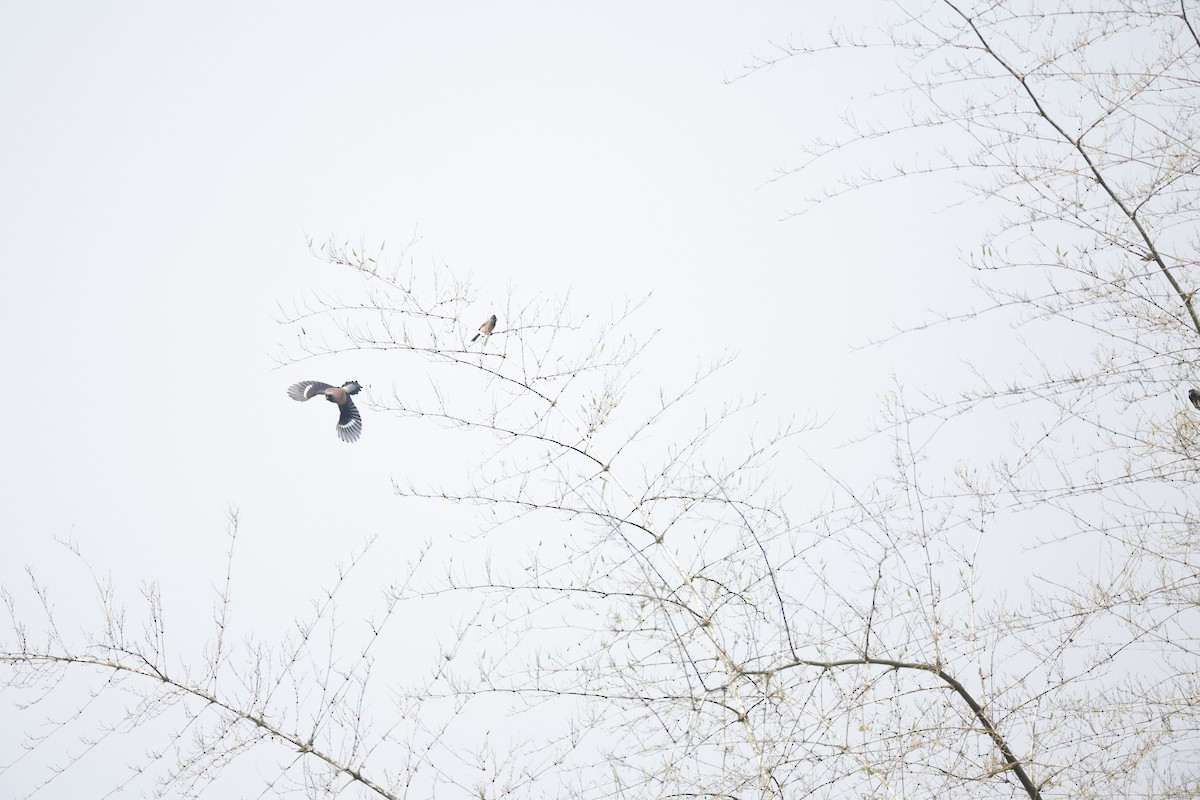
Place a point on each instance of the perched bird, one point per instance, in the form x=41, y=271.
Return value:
x=1194, y=396
x=349, y=425
x=486, y=328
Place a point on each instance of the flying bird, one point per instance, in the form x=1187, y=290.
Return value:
x=349, y=424
x=1194, y=396
x=486, y=328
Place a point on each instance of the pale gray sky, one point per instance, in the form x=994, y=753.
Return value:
x=162, y=166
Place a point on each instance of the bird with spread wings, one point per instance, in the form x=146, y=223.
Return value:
x=349, y=424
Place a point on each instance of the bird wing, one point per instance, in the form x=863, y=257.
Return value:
x=306, y=390
x=349, y=426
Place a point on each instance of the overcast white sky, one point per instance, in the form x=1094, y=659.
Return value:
x=162, y=166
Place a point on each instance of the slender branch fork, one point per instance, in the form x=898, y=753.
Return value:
x=1076, y=144
x=301, y=745
x=1011, y=762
